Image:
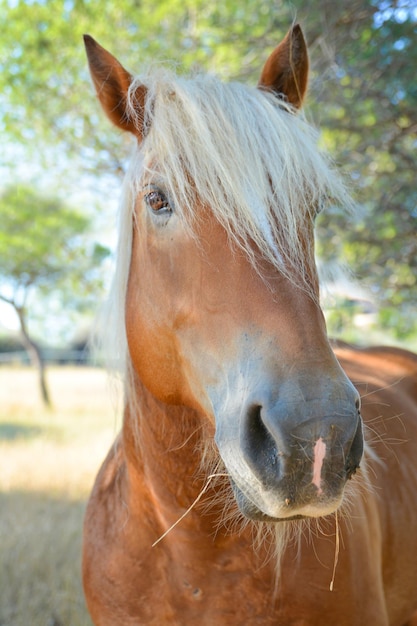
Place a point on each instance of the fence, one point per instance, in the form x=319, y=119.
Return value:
x=54, y=357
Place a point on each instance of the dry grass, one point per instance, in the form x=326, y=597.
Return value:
x=48, y=461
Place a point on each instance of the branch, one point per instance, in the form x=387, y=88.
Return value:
x=8, y=301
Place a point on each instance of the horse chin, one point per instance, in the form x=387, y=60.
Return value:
x=251, y=511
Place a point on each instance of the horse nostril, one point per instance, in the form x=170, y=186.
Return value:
x=355, y=452
x=258, y=435
x=262, y=445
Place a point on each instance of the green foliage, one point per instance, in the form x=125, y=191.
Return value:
x=44, y=80
x=363, y=96
x=39, y=239
x=44, y=247
x=369, y=103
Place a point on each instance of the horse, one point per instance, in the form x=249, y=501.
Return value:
x=261, y=476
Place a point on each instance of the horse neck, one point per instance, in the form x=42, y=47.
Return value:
x=164, y=447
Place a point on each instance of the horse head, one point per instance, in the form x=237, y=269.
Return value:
x=221, y=302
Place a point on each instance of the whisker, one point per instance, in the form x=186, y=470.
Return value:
x=336, y=550
x=200, y=495
x=184, y=443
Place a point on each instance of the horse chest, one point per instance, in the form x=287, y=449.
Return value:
x=205, y=583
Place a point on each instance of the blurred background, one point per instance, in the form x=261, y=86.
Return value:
x=61, y=167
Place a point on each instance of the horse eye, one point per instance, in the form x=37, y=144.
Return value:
x=157, y=201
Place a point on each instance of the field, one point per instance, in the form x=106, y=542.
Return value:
x=48, y=461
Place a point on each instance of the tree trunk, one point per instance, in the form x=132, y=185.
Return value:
x=35, y=356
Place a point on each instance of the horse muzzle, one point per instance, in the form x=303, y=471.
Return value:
x=292, y=459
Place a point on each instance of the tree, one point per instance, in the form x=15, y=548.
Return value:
x=368, y=112
x=363, y=96
x=42, y=249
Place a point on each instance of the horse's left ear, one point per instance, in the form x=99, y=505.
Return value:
x=112, y=82
x=286, y=70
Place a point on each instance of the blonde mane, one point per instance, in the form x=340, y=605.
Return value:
x=241, y=151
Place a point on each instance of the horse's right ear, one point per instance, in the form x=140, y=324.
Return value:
x=286, y=70
x=112, y=82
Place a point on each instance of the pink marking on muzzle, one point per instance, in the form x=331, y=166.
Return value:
x=319, y=454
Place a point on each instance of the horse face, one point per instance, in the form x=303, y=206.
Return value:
x=207, y=331
x=241, y=343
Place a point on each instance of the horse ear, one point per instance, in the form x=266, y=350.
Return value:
x=286, y=70
x=112, y=82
